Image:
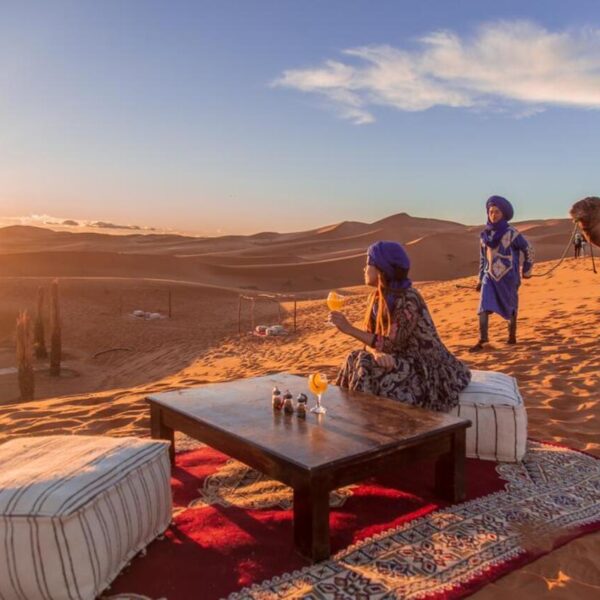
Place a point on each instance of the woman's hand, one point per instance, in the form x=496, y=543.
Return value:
x=385, y=361
x=339, y=320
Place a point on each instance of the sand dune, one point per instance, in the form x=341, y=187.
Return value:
x=311, y=244
x=442, y=256
x=301, y=261
x=556, y=361
x=543, y=225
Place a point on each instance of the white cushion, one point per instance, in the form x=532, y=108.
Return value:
x=75, y=509
x=494, y=405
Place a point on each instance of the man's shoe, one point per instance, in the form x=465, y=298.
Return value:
x=478, y=347
x=511, y=340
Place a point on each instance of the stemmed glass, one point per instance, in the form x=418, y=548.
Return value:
x=317, y=383
x=335, y=302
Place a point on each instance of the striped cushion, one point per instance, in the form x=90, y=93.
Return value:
x=494, y=405
x=75, y=509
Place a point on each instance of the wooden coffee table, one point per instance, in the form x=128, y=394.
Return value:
x=359, y=436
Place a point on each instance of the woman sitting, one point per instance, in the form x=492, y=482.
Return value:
x=404, y=358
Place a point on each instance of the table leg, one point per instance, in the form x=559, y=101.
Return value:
x=311, y=521
x=160, y=431
x=450, y=470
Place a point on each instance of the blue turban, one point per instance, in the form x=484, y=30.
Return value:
x=503, y=204
x=391, y=259
x=493, y=232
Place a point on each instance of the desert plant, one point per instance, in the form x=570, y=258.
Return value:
x=39, y=342
x=55, y=331
x=25, y=356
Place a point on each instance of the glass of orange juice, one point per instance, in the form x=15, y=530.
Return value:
x=317, y=383
x=334, y=302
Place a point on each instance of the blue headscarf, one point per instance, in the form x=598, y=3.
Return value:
x=391, y=259
x=493, y=232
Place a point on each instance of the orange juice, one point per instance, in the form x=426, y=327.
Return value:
x=317, y=383
x=335, y=301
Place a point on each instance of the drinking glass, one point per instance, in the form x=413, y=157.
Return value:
x=335, y=302
x=317, y=383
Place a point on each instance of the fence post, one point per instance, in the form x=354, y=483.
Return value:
x=55, y=331
x=294, y=315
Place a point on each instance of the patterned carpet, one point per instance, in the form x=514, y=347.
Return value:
x=232, y=528
x=550, y=498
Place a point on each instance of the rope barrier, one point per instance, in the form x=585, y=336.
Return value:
x=561, y=258
x=592, y=255
x=274, y=298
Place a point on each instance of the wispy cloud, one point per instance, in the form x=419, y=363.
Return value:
x=86, y=226
x=60, y=222
x=512, y=66
x=109, y=225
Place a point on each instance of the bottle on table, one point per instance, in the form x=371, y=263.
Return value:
x=276, y=399
x=301, y=402
x=288, y=403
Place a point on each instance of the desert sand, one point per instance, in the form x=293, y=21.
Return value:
x=326, y=257
x=104, y=278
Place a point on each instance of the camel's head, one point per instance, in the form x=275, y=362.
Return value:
x=586, y=213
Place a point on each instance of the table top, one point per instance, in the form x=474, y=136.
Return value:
x=355, y=425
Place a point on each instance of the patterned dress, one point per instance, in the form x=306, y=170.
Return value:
x=499, y=273
x=426, y=374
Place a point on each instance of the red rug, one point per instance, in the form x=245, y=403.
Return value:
x=232, y=529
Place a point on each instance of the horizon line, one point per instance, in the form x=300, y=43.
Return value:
x=108, y=228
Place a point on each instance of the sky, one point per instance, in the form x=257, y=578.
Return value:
x=219, y=117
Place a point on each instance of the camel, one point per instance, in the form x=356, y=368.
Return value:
x=586, y=213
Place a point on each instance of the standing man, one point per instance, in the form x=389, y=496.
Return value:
x=499, y=269
x=577, y=244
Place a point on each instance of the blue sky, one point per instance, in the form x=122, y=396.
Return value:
x=237, y=117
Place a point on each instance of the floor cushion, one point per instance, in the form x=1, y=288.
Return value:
x=494, y=405
x=75, y=509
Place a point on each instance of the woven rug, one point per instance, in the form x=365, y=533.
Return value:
x=232, y=530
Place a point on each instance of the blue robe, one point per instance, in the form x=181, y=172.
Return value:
x=499, y=273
